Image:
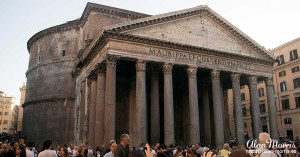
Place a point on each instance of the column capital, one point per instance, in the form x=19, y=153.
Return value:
x=215, y=74
x=167, y=68
x=140, y=65
x=111, y=60
x=235, y=77
x=269, y=81
x=101, y=69
x=191, y=71
x=252, y=80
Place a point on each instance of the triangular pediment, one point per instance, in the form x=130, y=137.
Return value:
x=200, y=27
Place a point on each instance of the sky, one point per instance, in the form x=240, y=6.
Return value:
x=270, y=23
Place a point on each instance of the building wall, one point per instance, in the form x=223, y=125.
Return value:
x=8, y=114
x=20, y=115
x=49, y=108
x=293, y=112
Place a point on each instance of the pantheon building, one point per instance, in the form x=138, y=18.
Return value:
x=160, y=78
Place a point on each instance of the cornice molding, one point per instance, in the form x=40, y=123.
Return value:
x=50, y=62
x=47, y=100
x=286, y=44
x=286, y=64
x=78, y=23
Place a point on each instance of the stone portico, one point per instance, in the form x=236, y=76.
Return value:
x=162, y=79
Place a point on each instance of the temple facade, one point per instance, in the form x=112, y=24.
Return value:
x=160, y=78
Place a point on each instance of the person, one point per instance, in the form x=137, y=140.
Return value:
x=163, y=151
x=225, y=151
x=74, y=151
x=28, y=148
x=113, y=147
x=121, y=149
x=178, y=152
x=64, y=152
x=21, y=141
x=11, y=149
x=263, y=141
x=239, y=153
x=46, y=152
x=199, y=148
x=80, y=151
x=110, y=142
x=90, y=151
x=70, y=148
x=2, y=151
x=20, y=151
x=85, y=150
x=57, y=150
x=205, y=151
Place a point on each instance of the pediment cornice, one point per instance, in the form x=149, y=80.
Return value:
x=204, y=10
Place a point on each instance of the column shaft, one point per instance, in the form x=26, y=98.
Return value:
x=217, y=107
x=193, y=105
x=155, y=116
x=238, y=111
x=100, y=106
x=256, y=119
x=132, y=115
x=272, y=108
x=110, y=99
x=206, y=112
x=141, y=112
x=168, y=105
x=92, y=118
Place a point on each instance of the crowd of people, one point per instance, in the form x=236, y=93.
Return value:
x=20, y=149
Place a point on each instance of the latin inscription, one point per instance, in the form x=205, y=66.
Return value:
x=198, y=58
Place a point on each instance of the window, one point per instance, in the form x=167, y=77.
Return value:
x=283, y=86
x=261, y=92
x=0, y=121
x=282, y=73
x=297, y=100
x=295, y=69
x=6, y=113
x=245, y=125
x=5, y=122
x=296, y=83
x=39, y=59
x=243, y=96
x=7, y=100
x=6, y=107
x=63, y=52
x=4, y=128
x=287, y=120
x=1, y=100
x=244, y=111
x=0, y=113
x=293, y=54
x=280, y=59
x=285, y=104
x=262, y=108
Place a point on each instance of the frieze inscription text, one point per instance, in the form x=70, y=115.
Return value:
x=199, y=58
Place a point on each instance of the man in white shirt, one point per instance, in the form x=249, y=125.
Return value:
x=90, y=151
x=113, y=147
x=28, y=148
x=74, y=151
x=47, y=152
x=264, y=151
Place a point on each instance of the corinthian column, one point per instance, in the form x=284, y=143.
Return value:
x=110, y=98
x=92, y=117
x=168, y=105
x=272, y=108
x=100, y=106
x=256, y=121
x=155, y=116
x=239, y=121
x=217, y=107
x=193, y=105
x=141, y=119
